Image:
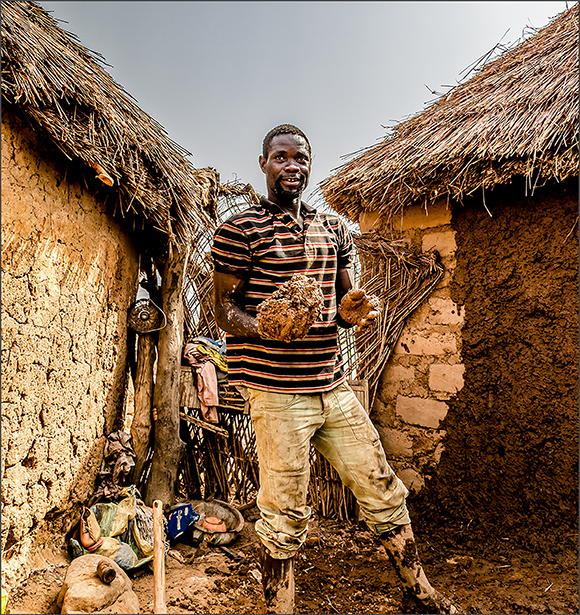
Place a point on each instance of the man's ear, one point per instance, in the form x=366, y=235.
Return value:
x=262, y=162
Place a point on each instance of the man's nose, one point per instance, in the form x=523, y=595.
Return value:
x=292, y=165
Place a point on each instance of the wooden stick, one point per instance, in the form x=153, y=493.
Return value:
x=168, y=446
x=141, y=425
x=203, y=424
x=158, y=559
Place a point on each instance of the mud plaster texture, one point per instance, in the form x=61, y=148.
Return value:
x=68, y=276
x=291, y=310
x=509, y=468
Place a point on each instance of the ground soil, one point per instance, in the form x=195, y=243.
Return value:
x=343, y=569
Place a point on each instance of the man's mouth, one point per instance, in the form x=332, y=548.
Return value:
x=291, y=182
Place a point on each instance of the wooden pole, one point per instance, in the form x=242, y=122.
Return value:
x=168, y=446
x=141, y=425
x=158, y=559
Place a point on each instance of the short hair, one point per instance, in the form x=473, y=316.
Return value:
x=283, y=129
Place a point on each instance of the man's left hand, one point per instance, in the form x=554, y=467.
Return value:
x=358, y=308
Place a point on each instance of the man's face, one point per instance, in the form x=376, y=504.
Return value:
x=287, y=168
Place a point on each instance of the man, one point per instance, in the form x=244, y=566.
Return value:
x=297, y=390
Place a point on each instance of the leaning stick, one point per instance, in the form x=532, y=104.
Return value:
x=158, y=559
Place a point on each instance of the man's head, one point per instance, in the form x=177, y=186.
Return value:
x=285, y=161
x=283, y=129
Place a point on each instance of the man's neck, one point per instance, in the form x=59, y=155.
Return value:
x=292, y=207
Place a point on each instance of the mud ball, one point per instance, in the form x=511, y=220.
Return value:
x=290, y=311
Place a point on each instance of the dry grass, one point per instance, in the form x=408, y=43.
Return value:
x=67, y=95
x=517, y=117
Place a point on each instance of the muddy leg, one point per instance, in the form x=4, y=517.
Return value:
x=278, y=583
x=419, y=596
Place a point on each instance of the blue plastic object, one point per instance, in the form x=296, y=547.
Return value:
x=180, y=518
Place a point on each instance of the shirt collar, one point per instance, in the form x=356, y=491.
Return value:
x=306, y=210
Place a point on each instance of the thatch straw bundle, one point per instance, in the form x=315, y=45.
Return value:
x=518, y=116
x=61, y=87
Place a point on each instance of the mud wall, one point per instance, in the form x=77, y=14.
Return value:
x=68, y=276
x=501, y=455
x=511, y=457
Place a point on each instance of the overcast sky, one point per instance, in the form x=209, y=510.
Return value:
x=218, y=75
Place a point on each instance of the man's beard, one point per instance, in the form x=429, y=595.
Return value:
x=289, y=195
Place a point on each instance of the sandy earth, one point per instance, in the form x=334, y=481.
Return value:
x=342, y=570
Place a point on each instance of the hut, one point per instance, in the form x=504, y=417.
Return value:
x=94, y=194
x=478, y=403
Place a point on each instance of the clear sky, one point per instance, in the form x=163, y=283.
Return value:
x=218, y=75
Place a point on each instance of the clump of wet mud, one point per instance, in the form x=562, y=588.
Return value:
x=290, y=311
x=356, y=305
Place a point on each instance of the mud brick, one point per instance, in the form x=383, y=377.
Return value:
x=444, y=243
x=436, y=344
x=397, y=443
x=420, y=411
x=411, y=479
x=445, y=312
x=446, y=377
x=415, y=216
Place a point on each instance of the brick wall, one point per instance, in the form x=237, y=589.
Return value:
x=425, y=368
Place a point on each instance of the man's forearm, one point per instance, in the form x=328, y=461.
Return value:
x=235, y=321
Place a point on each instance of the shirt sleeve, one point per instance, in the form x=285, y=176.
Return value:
x=230, y=250
x=345, y=246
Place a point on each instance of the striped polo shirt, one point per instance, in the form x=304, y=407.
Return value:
x=265, y=246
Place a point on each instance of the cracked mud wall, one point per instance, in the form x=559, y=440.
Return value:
x=68, y=276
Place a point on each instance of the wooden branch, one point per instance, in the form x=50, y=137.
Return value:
x=203, y=424
x=158, y=559
x=141, y=425
x=168, y=446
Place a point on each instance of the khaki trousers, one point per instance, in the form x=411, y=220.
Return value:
x=339, y=428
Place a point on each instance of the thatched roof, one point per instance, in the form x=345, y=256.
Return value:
x=517, y=117
x=63, y=90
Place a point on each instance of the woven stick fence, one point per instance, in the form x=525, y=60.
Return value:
x=402, y=277
x=224, y=464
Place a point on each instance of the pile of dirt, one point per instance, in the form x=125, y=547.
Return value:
x=342, y=569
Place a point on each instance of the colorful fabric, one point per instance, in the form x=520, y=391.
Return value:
x=207, y=391
x=181, y=517
x=217, y=345
x=218, y=359
x=265, y=246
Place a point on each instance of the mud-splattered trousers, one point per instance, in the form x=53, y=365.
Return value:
x=339, y=428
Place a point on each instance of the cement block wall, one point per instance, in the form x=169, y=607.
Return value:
x=425, y=368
